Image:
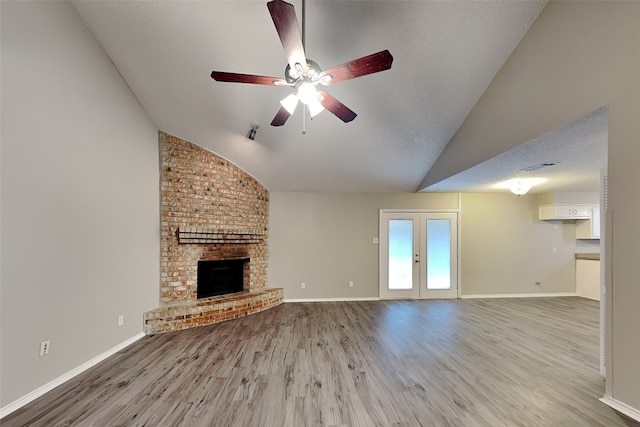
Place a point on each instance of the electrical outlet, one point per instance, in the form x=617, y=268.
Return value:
x=554, y=249
x=375, y=240
x=303, y=285
x=351, y=283
x=44, y=348
x=120, y=320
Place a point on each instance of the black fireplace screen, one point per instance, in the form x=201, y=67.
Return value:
x=220, y=277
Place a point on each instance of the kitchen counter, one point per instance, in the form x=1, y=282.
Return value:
x=588, y=256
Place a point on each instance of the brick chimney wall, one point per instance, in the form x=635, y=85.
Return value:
x=200, y=190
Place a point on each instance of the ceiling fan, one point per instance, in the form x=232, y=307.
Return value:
x=303, y=74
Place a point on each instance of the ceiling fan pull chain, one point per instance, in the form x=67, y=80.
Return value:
x=304, y=119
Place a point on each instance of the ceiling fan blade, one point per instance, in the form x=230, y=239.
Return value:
x=336, y=107
x=281, y=117
x=222, y=76
x=284, y=18
x=370, y=64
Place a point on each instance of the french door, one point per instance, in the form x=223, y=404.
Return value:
x=418, y=255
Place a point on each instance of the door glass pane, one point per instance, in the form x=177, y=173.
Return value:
x=400, y=254
x=438, y=254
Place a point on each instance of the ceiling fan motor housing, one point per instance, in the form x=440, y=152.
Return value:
x=293, y=76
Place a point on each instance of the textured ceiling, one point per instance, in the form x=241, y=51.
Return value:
x=445, y=55
x=577, y=152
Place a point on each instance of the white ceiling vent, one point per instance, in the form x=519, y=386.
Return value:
x=537, y=167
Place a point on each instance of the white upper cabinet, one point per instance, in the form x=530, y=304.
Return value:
x=551, y=212
x=589, y=228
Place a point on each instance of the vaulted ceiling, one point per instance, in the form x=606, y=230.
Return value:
x=445, y=55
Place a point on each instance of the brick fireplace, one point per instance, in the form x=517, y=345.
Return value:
x=211, y=210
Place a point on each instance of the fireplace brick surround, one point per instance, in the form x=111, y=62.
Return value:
x=210, y=210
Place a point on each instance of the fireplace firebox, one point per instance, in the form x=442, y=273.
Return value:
x=220, y=277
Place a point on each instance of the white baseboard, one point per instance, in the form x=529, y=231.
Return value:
x=29, y=397
x=591, y=298
x=470, y=296
x=540, y=295
x=331, y=299
x=623, y=408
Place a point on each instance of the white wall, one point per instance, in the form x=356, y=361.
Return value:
x=325, y=240
x=506, y=249
x=576, y=58
x=569, y=198
x=80, y=199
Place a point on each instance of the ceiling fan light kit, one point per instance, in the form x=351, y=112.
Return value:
x=304, y=75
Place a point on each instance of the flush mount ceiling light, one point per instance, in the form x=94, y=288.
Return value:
x=520, y=187
x=303, y=74
x=524, y=181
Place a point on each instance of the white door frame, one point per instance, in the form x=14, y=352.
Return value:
x=419, y=267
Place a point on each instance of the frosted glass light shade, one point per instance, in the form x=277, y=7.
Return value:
x=315, y=107
x=290, y=103
x=307, y=93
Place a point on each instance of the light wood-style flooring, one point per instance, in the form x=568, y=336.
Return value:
x=494, y=362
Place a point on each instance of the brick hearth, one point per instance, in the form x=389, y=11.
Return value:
x=211, y=310
x=210, y=210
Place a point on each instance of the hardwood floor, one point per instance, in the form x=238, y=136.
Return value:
x=507, y=362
